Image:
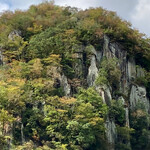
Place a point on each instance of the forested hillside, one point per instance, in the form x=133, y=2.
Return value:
x=73, y=79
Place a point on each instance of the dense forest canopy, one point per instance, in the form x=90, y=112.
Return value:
x=39, y=46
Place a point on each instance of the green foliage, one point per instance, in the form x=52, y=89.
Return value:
x=144, y=81
x=117, y=112
x=109, y=73
x=102, y=77
x=14, y=48
x=81, y=120
x=91, y=96
x=6, y=118
x=67, y=66
x=123, y=136
x=26, y=146
x=3, y=142
x=140, y=123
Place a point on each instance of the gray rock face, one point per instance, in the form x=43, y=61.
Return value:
x=139, y=72
x=128, y=67
x=129, y=72
x=22, y=134
x=98, y=54
x=1, y=58
x=131, y=69
x=105, y=93
x=114, y=50
x=95, y=59
x=13, y=34
x=110, y=126
x=106, y=51
x=138, y=95
x=65, y=85
x=127, y=116
x=111, y=132
x=92, y=72
x=78, y=65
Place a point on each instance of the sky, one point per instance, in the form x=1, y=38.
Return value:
x=135, y=11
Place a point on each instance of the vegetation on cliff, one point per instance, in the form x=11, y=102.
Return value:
x=40, y=45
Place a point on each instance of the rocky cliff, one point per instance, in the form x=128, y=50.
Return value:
x=87, y=66
x=133, y=94
x=73, y=80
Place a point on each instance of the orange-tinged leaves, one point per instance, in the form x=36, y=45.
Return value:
x=67, y=100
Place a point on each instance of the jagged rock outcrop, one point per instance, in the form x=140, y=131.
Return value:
x=138, y=95
x=1, y=57
x=13, y=34
x=129, y=73
x=139, y=72
x=111, y=132
x=79, y=64
x=60, y=80
x=22, y=134
x=105, y=93
x=92, y=72
x=126, y=65
x=66, y=87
